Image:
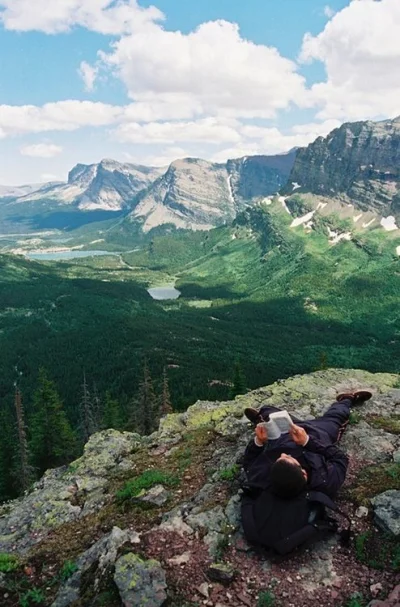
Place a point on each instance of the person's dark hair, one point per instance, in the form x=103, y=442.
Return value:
x=287, y=480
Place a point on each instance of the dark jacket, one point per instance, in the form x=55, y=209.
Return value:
x=325, y=463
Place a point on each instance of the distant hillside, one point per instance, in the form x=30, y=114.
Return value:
x=190, y=193
x=108, y=185
x=357, y=163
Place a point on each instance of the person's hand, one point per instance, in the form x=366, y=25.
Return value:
x=299, y=435
x=261, y=434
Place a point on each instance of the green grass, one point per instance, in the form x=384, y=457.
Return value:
x=373, y=480
x=357, y=600
x=8, y=562
x=35, y=596
x=378, y=550
x=229, y=474
x=146, y=480
x=68, y=569
x=389, y=424
x=266, y=599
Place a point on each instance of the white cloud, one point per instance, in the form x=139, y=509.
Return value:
x=164, y=158
x=329, y=11
x=103, y=16
x=210, y=71
x=88, y=75
x=60, y=116
x=360, y=48
x=207, y=130
x=46, y=177
x=41, y=150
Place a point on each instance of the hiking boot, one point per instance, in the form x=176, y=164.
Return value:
x=253, y=415
x=358, y=397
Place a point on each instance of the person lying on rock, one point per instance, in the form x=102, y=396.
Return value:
x=289, y=480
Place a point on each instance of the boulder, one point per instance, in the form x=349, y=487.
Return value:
x=64, y=494
x=387, y=511
x=104, y=552
x=140, y=582
x=222, y=573
x=156, y=496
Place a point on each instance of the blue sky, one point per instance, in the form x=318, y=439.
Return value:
x=148, y=82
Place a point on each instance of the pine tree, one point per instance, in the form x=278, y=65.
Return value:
x=23, y=470
x=323, y=361
x=89, y=422
x=166, y=406
x=7, y=455
x=146, y=412
x=52, y=440
x=112, y=413
x=239, y=381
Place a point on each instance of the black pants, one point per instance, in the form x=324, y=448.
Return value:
x=333, y=422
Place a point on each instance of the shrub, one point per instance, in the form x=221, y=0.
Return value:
x=229, y=474
x=266, y=599
x=32, y=597
x=67, y=570
x=146, y=480
x=8, y=562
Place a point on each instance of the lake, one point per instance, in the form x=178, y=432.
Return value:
x=167, y=292
x=60, y=255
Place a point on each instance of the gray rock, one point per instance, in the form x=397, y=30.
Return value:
x=156, y=496
x=370, y=443
x=211, y=520
x=53, y=500
x=140, y=582
x=232, y=511
x=396, y=457
x=221, y=572
x=3, y=580
x=361, y=512
x=104, y=552
x=387, y=511
x=177, y=525
x=357, y=162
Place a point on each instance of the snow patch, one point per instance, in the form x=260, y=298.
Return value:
x=267, y=200
x=357, y=217
x=228, y=181
x=398, y=250
x=295, y=185
x=389, y=223
x=282, y=200
x=301, y=220
x=371, y=221
x=321, y=205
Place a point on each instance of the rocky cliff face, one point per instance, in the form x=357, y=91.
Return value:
x=146, y=519
x=109, y=186
x=190, y=193
x=357, y=163
x=259, y=176
x=197, y=194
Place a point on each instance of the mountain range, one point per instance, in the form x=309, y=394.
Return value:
x=356, y=165
x=190, y=193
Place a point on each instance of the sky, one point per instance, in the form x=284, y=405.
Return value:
x=148, y=82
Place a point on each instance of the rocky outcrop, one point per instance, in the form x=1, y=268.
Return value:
x=139, y=581
x=357, y=163
x=387, y=511
x=66, y=494
x=191, y=545
x=102, y=554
